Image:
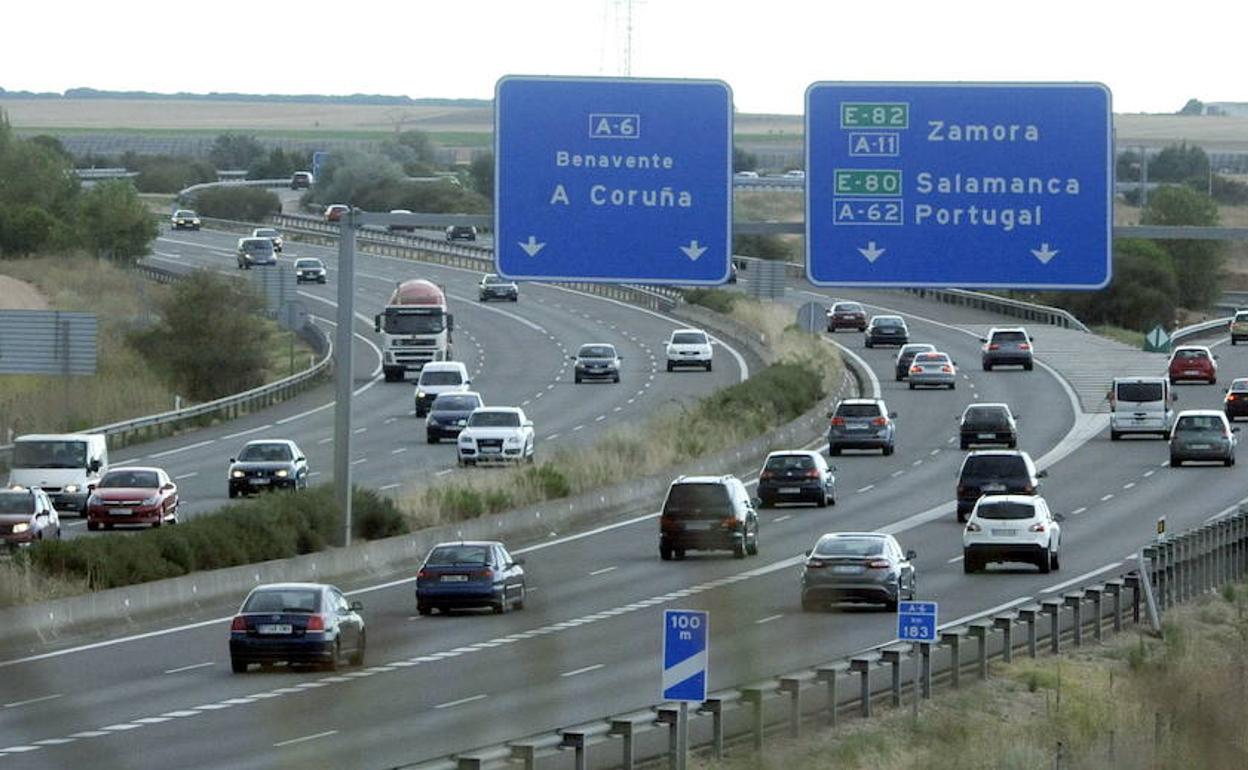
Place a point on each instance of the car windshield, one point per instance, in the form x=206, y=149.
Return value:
x=124, y=479
x=50, y=454
x=994, y=466
x=284, y=600
x=274, y=453
x=695, y=499
x=265, y=232
x=441, y=378
x=450, y=403
x=481, y=419
x=1190, y=354
x=1005, y=510
x=858, y=410
x=303, y=264
x=910, y=351
x=986, y=417
x=1139, y=392
x=596, y=351
x=1198, y=422
x=850, y=546
x=931, y=358
x=494, y=279
x=185, y=214
x=413, y=323
x=459, y=554
x=17, y=502
x=689, y=338
x=257, y=245
x=1009, y=337
x=790, y=462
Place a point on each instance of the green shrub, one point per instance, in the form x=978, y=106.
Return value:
x=243, y=204
x=715, y=299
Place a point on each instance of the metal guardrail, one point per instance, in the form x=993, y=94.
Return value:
x=1204, y=327
x=187, y=192
x=1170, y=571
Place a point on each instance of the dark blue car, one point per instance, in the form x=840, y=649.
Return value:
x=448, y=414
x=297, y=624
x=470, y=574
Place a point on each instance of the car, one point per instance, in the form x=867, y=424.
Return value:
x=746, y=175
x=184, y=219
x=906, y=354
x=475, y=573
x=461, y=233
x=63, y=465
x=934, y=369
x=596, y=361
x=448, y=414
x=1011, y=528
x=861, y=423
x=859, y=567
x=438, y=377
x=796, y=476
x=987, y=424
x=1193, y=362
x=689, y=347
x=1010, y=346
x=334, y=212
x=272, y=234
x=301, y=180
x=847, y=315
x=995, y=472
x=494, y=286
x=297, y=624
x=886, y=330
x=795, y=173
x=496, y=434
x=1202, y=434
x=1239, y=327
x=396, y=227
x=1235, y=403
x=27, y=517
x=1140, y=405
x=133, y=495
x=266, y=464
x=255, y=251
x=311, y=270
x=707, y=513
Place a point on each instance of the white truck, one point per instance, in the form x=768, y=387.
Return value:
x=415, y=327
x=66, y=466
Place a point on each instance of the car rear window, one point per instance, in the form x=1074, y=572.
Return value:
x=1241, y=317
x=459, y=554
x=1005, y=510
x=988, y=418
x=284, y=600
x=597, y=351
x=790, y=462
x=265, y=453
x=264, y=232
x=1139, y=392
x=122, y=479
x=994, y=465
x=1190, y=354
x=454, y=403
x=697, y=501
x=858, y=410
x=1198, y=422
x=887, y=321
x=1239, y=386
x=1009, y=337
x=17, y=502
x=847, y=308
x=931, y=358
x=850, y=546
x=689, y=338
x=494, y=279
x=441, y=378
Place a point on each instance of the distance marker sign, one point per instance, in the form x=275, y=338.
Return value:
x=1004, y=185
x=612, y=181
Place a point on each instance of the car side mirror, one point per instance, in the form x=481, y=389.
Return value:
x=571, y=358
x=450, y=322
x=1174, y=396
x=301, y=459
x=1042, y=475
x=1235, y=430
x=232, y=460
x=357, y=606
x=911, y=555
x=41, y=515
x=165, y=488
x=832, y=468
x=892, y=415
x=377, y=323
x=829, y=414
x=807, y=552
x=94, y=466
x=983, y=339
x=90, y=488
x=528, y=423
x=1059, y=517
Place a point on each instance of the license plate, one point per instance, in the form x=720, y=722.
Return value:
x=258, y=481
x=490, y=450
x=852, y=426
x=1202, y=446
x=994, y=487
x=790, y=490
x=987, y=435
x=454, y=578
x=1004, y=532
x=274, y=628
x=700, y=525
x=120, y=511
x=847, y=570
x=1192, y=372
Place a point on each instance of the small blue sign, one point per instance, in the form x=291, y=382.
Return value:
x=318, y=162
x=686, y=636
x=973, y=184
x=613, y=180
x=916, y=621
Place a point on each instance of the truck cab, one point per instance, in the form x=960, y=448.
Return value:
x=415, y=327
x=66, y=466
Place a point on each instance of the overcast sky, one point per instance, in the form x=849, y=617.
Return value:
x=1153, y=55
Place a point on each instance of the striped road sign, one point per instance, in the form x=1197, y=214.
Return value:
x=686, y=634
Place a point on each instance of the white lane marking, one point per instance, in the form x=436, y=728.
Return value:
x=390, y=420
x=862, y=366
x=1108, y=497
x=304, y=739
x=1078, y=511
x=955, y=560
x=586, y=670
x=552, y=437
x=779, y=519
x=1080, y=578
x=895, y=474
x=54, y=741
x=186, y=448
x=183, y=713
x=867, y=488
x=617, y=409
x=1165, y=464
x=982, y=613
x=579, y=427
x=89, y=734
x=368, y=322
x=359, y=430
x=152, y=720
x=384, y=487
x=767, y=619
x=248, y=432
x=460, y=702
x=917, y=463
x=444, y=472
x=122, y=727
x=190, y=475
x=398, y=451
x=603, y=571
x=600, y=418
x=191, y=667
x=29, y=701
x=1128, y=485
x=17, y=749
x=934, y=452
x=325, y=440
x=1149, y=473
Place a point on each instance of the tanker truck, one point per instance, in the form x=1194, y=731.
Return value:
x=415, y=328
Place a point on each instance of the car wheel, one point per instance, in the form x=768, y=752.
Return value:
x=899, y=377
x=834, y=450
x=1213, y=380
x=738, y=549
x=432, y=439
x=890, y=605
x=708, y=366
x=519, y=605
x=499, y=607
x=1175, y=462
x=912, y=386
x=961, y=517
x=160, y=520
x=968, y=565
x=1013, y=443
x=665, y=552
x=423, y=609
x=576, y=379
x=92, y=525
x=335, y=656
x=1045, y=563
x=751, y=547
x=238, y=666
x=616, y=379
x=866, y=343
x=357, y=659
x=987, y=367
x=679, y=553
x=953, y=386
x=1114, y=435
x=888, y=450
x=1228, y=462
x=964, y=444
x=822, y=502
x=108, y=526
x=1027, y=367
x=669, y=366
x=1054, y=563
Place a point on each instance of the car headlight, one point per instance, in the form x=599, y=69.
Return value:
x=282, y=473
x=152, y=500
x=71, y=488
x=237, y=474
x=20, y=528
x=512, y=440
x=465, y=439
x=419, y=394
x=432, y=419
x=17, y=487
x=93, y=500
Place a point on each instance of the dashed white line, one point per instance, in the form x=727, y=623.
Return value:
x=579, y=427
x=934, y=452
x=460, y=702
x=916, y=463
x=552, y=437
x=1108, y=497
x=398, y=451
x=191, y=667
x=600, y=418
x=767, y=619
x=385, y=487
x=444, y=472
x=190, y=475
x=954, y=560
x=867, y=488
x=1128, y=485
x=895, y=474
x=304, y=739
x=325, y=440
x=1078, y=511
x=360, y=430
x=1149, y=473
x=586, y=670
x=603, y=571
x=248, y=432
x=361, y=460
x=186, y=448
x=29, y=701
x=779, y=519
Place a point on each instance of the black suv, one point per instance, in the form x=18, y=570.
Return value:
x=995, y=472
x=709, y=513
x=906, y=355
x=1007, y=346
x=987, y=424
x=886, y=330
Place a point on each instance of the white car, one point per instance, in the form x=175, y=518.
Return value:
x=437, y=377
x=689, y=347
x=496, y=434
x=1006, y=528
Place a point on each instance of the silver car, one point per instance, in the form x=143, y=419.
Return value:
x=866, y=567
x=1202, y=434
x=934, y=370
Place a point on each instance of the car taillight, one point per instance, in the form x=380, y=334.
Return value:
x=767, y=475
x=815, y=564
x=1029, y=490
x=486, y=573
x=963, y=490
x=947, y=369
x=994, y=346
x=423, y=574
x=838, y=420
x=316, y=623
x=916, y=369
x=239, y=624
x=879, y=421
x=730, y=523
x=879, y=564
x=1230, y=396
x=972, y=527
x=1037, y=527
x=813, y=473
x=1024, y=346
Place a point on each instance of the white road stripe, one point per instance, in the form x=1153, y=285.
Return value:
x=1108, y=497
x=1078, y=511
x=1080, y=578
x=30, y=701
x=190, y=475
x=242, y=433
x=767, y=619
x=954, y=560
x=305, y=738
x=867, y=488
x=384, y=487
x=460, y=702
x=398, y=451
x=188, y=668
x=444, y=472
x=779, y=519
x=186, y=448
x=603, y=571
x=585, y=670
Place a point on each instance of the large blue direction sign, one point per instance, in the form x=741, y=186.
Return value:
x=981, y=184
x=613, y=180
x=685, y=642
x=916, y=621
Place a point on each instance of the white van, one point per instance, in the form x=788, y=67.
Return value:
x=1140, y=405
x=438, y=377
x=66, y=466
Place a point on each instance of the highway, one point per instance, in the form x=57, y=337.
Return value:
x=587, y=644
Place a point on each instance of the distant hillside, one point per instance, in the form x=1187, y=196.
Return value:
x=380, y=99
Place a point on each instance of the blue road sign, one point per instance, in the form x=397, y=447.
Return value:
x=686, y=634
x=318, y=162
x=981, y=184
x=612, y=181
x=916, y=621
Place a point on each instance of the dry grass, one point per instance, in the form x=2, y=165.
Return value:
x=19, y=584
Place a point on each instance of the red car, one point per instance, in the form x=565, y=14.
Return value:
x=1193, y=362
x=847, y=315
x=334, y=212
x=133, y=496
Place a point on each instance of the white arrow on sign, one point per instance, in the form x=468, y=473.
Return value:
x=531, y=247
x=871, y=252
x=693, y=250
x=1044, y=254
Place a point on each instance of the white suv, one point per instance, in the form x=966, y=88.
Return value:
x=496, y=434
x=439, y=377
x=689, y=347
x=1011, y=528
